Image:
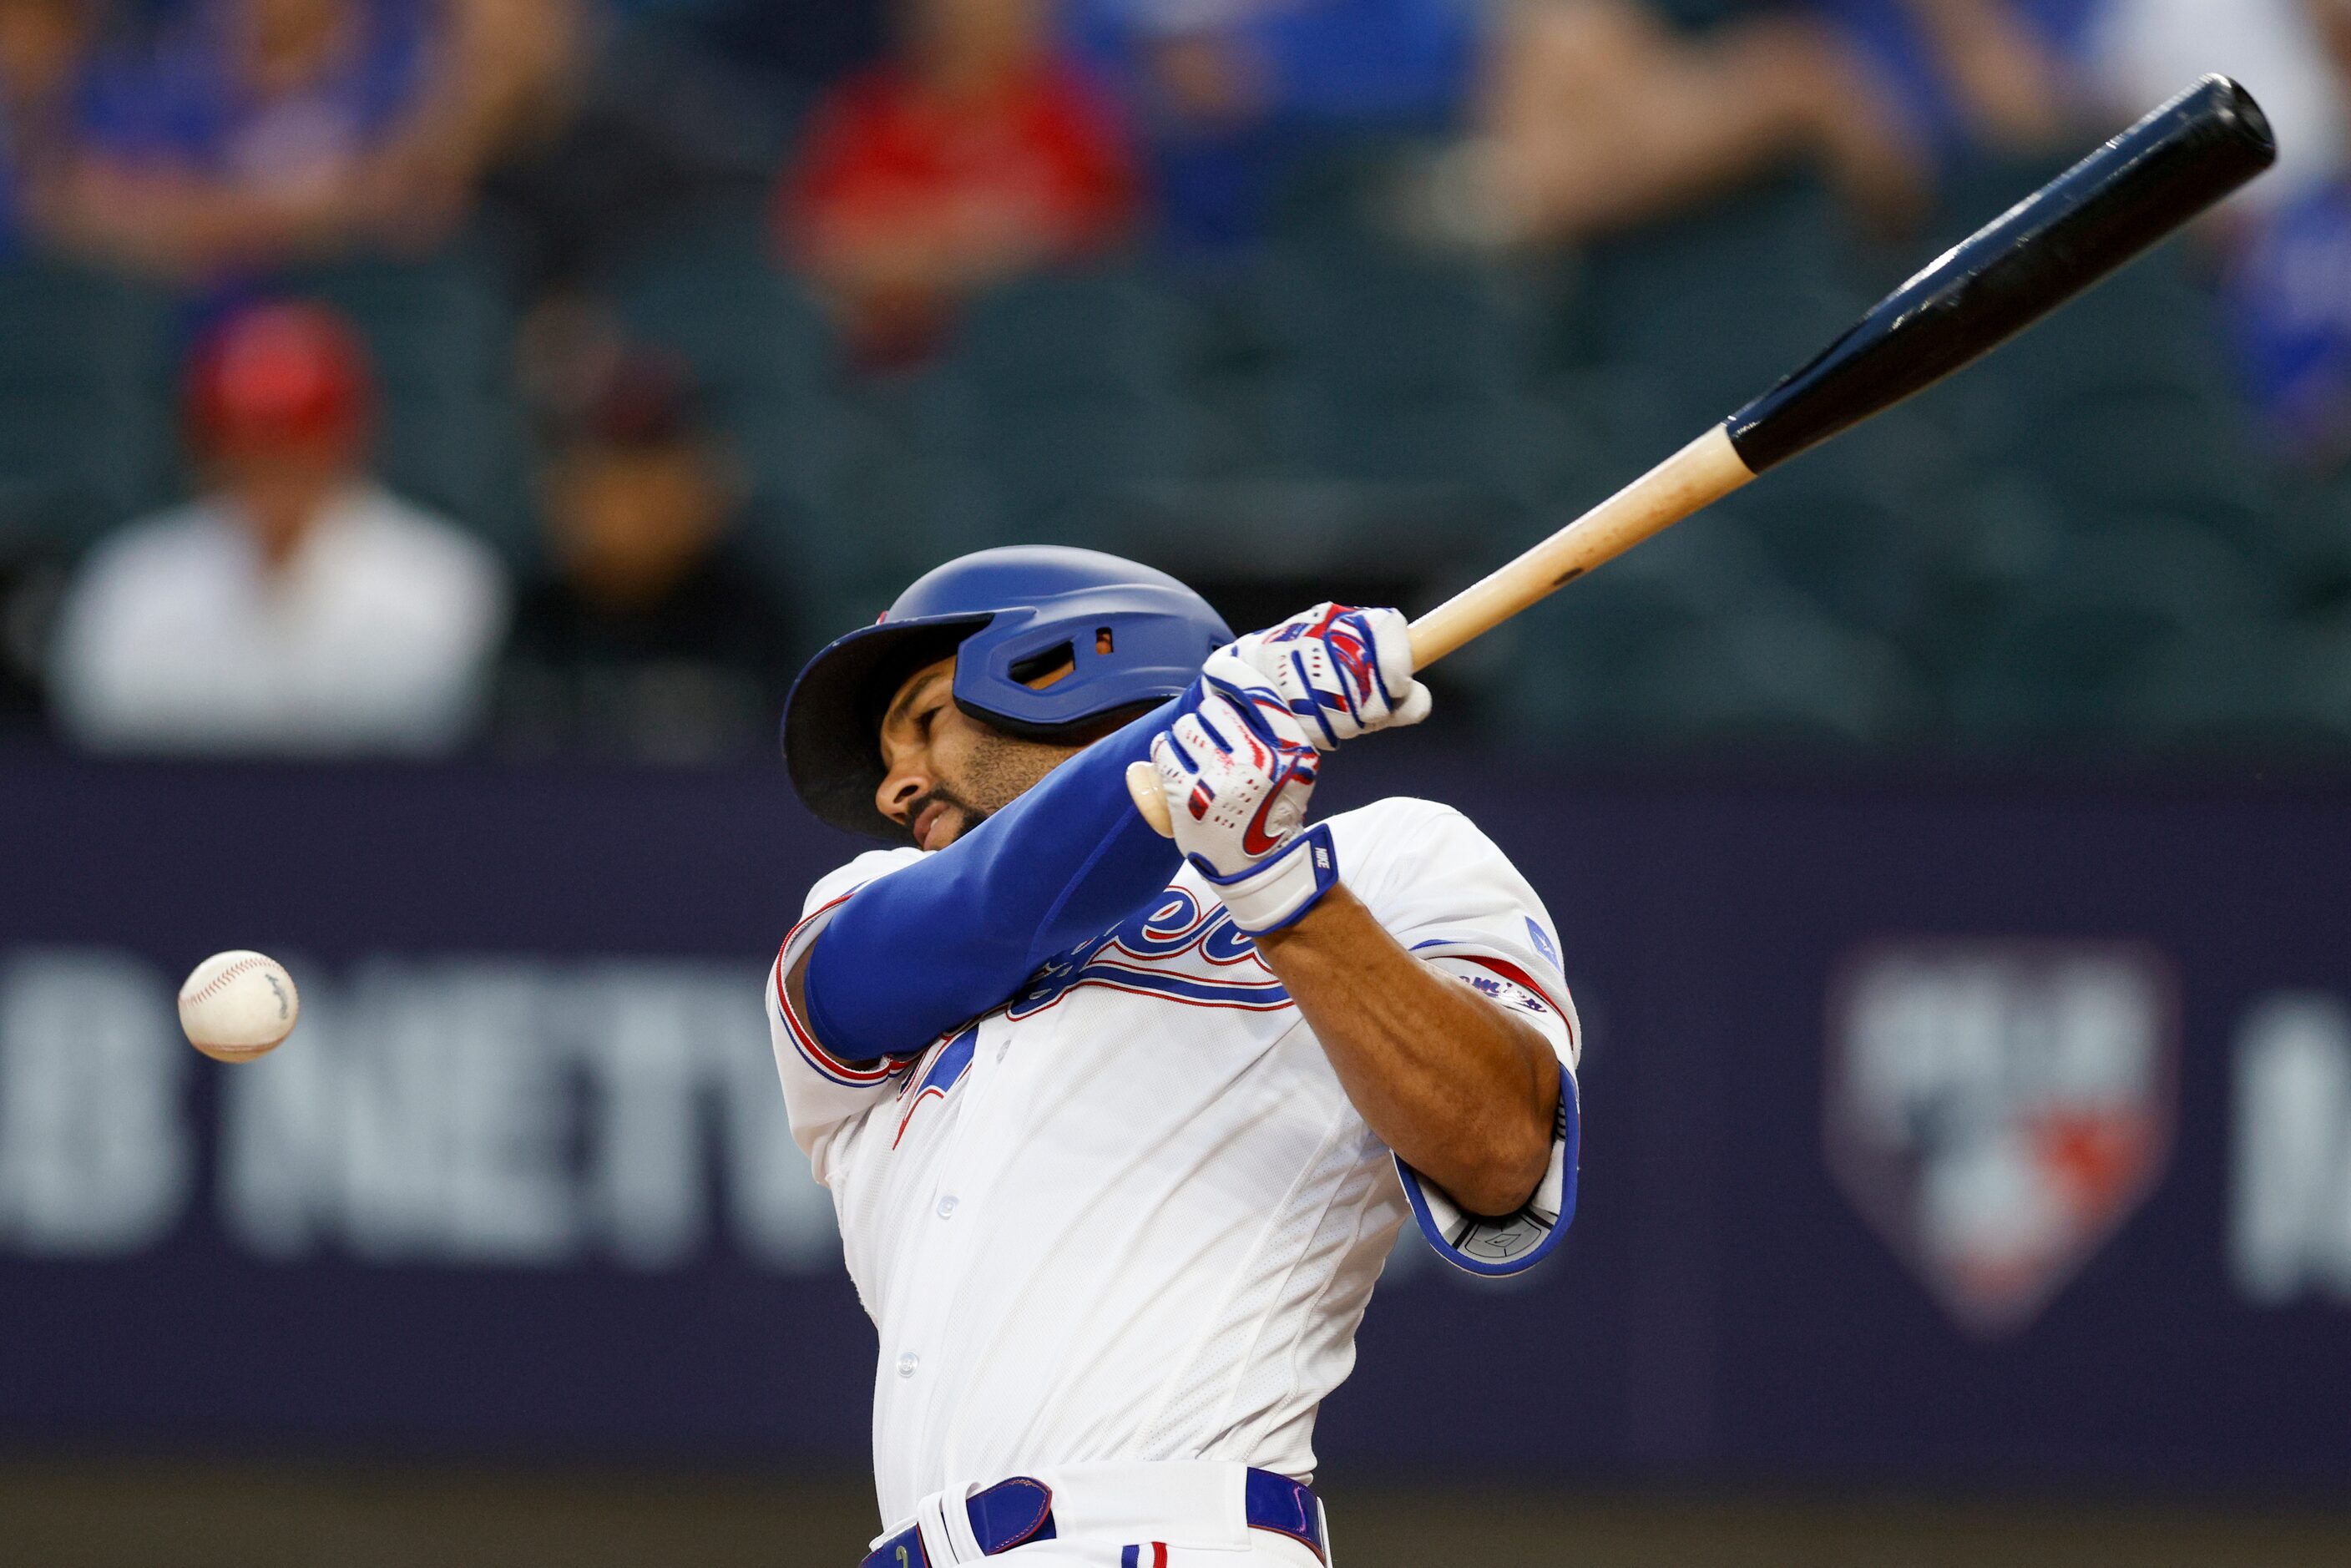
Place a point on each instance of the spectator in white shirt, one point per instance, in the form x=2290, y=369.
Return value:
x=296, y=606
x=2136, y=53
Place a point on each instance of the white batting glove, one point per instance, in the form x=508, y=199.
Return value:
x=1343, y=672
x=1237, y=772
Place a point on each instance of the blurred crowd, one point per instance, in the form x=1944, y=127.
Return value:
x=549, y=376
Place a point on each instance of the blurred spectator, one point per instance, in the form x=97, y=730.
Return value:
x=2027, y=76
x=505, y=79
x=44, y=47
x=1582, y=114
x=1602, y=115
x=262, y=131
x=653, y=637
x=2134, y=54
x=978, y=152
x=662, y=125
x=1221, y=88
x=2288, y=297
x=1973, y=77
x=2288, y=290
x=296, y=606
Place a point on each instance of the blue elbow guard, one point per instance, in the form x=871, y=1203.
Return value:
x=925, y=949
x=1512, y=1244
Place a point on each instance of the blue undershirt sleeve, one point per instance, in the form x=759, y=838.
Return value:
x=922, y=950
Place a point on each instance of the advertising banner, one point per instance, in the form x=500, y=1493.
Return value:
x=1957, y=1130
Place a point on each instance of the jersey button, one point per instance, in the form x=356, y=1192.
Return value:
x=907, y=1361
x=948, y=1207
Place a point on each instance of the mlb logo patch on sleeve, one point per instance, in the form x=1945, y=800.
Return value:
x=1543, y=944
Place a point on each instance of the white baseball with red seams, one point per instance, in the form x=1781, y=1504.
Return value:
x=1130, y=1215
x=238, y=1005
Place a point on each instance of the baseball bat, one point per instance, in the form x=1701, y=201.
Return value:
x=2137, y=190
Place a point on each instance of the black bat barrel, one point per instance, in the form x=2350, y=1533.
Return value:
x=2143, y=185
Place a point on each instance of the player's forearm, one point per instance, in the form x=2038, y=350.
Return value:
x=1463, y=1092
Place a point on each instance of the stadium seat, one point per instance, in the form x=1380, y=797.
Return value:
x=1390, y=370
x=1692, y=640
x=2316, y=665
x=2131, y=633
x=1868, y=526
x=1714, y=306
x=889, y=507
x=440, y=331
x=708, y=289
x=1059, y=397
x=88, y=434
x=1784, y=678
x=2226, y=689
x=2311, y=528
x=1386, y=364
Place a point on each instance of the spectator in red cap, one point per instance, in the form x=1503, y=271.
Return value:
x=295, y=606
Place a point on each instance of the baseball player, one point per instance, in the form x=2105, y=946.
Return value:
x=1120, y=1131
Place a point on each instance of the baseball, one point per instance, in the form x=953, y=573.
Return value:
x=238, y=1005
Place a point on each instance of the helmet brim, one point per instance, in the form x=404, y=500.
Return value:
x=833, y=719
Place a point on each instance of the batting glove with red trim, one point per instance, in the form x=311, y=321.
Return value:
x=1237, y=771
x=1343, y=672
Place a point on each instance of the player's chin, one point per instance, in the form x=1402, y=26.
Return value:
x=953, y=823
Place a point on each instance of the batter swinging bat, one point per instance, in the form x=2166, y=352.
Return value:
x=2139, y=189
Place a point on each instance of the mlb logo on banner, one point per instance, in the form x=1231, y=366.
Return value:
x=1997, y=1109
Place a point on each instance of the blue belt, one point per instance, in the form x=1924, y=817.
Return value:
x=1017, y=1511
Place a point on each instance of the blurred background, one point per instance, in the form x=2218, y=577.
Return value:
x=433, y=433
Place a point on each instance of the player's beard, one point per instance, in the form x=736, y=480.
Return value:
x=1000, y=769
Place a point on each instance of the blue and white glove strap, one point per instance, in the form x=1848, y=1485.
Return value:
x=1277, y=890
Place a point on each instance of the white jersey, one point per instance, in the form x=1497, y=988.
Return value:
x=1131, y=1213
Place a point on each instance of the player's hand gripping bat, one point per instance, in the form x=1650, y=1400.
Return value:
x=2137, y=190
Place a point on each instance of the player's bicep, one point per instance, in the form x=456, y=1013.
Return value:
x=1513, y=987
x=1448, y=892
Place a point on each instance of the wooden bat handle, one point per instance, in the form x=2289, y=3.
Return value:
x=1143, y=788
x=1699, y=475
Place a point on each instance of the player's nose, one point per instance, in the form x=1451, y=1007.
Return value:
x=901, y=788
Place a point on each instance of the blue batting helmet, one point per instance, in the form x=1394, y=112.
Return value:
x=1126, y=636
